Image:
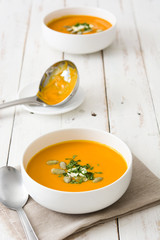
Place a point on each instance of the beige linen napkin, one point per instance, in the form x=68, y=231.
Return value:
x=143, y=192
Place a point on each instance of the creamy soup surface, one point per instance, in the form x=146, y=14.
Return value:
x=60, y=84
x=77, y=165
x=79, y=24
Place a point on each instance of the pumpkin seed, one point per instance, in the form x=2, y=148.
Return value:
x=57, y=171
x=85, y=179
x=97, y=179
x=63, y=165
x=52, y=162
x=67, y=179
x=99, y=30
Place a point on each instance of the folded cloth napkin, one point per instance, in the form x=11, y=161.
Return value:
x=144, y=191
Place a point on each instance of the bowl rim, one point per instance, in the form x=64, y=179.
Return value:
x=80, y=8
x=129, y=166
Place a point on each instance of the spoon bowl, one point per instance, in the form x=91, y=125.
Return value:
x=63, y=68
x=11, y=183
x=14, y=196
x=56, y=82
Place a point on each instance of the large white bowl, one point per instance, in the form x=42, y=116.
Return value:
x=87, y=201
x=79, y=44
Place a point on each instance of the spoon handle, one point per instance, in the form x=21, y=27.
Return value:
x=20, y=101
x=30, y=234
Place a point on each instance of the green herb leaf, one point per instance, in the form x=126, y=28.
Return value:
x=73, y=181
x=68, y=158
x=80, y=180
x=89, y=175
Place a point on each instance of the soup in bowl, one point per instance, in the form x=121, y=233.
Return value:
x=77, y=170
x=79, y=30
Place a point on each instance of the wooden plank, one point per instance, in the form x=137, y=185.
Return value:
x=92, y=113
x=131, y=110
x=149, y=36
x=84, y=3
x=13, y=31
x=141, y=226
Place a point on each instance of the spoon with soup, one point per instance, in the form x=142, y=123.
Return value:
x=58, y=85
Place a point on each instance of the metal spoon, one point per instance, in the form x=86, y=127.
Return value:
x=14, y=196
x=35, y=100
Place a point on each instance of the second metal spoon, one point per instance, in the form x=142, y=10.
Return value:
x=35, y=100
x=14, y=196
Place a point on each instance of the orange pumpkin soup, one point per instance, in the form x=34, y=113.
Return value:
x=60, y=85
x=76, y=166
x=79, y=24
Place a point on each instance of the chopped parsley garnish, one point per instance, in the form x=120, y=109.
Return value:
x=79, y=173
x=79, y=28
x=76, y=173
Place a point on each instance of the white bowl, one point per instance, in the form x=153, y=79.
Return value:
x=87, y=201
x=79, y=44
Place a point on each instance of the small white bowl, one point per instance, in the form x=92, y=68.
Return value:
x=87, y=201
x=79, y=44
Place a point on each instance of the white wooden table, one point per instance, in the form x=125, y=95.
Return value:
x=122, y=86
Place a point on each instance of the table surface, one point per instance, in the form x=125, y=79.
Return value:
x=122, y=92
